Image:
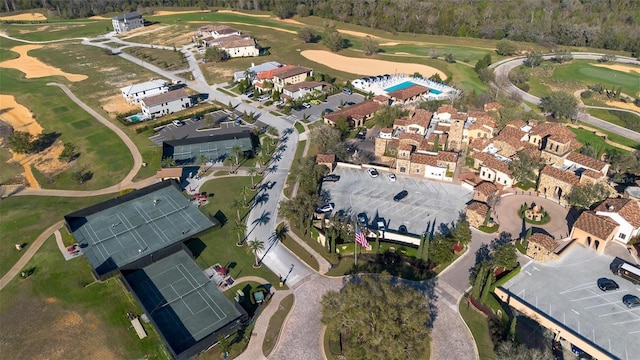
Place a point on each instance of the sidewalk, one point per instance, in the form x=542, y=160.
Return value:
x=325, y=266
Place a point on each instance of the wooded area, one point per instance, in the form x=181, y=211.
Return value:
x=612, y=24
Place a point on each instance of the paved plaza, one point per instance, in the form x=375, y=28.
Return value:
x=428, y=204
x=566, y=291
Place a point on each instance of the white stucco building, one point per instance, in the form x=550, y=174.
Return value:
x=299, y=90
x=626, y=213
x=163, y=104
x=126, y=22
x=134, y=93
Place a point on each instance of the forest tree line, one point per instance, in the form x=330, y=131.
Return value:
x=607, y=24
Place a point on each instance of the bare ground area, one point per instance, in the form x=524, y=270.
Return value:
x=164, y=13
x=367, y=67
x=36, y=328
x=621, y=67
x=34, y=68
x=24, y=17
x=116, y=104
x=243, y=14
x=357, y=33
x=239, y=23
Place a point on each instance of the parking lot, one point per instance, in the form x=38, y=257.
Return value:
x=332, y=103
x=193, y=128
x=566, y=290
x=428, y=204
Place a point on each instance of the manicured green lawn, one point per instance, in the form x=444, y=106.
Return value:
x=479, y=327
x=617, y=138
x=68, y=318
x=299, y=127
x=220, y=243
x=460, y=53
x=275, y=324
x=587, y=137
x=55, y=31
x=25, y=217
x=583, y=71
x=165, y=59
x=7, y=171
x=301, y=252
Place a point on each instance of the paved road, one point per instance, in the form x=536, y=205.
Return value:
x=612, y=108
x=502, y=69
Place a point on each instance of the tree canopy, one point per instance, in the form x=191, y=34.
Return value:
x=525, y=168
x=307, y=34
x=582, y=197
x=378, y=319
x=560, y=104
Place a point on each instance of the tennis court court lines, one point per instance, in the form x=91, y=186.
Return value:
x=111, y=233
x=168, y=210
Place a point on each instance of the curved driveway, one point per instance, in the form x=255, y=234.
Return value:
x=502, y=69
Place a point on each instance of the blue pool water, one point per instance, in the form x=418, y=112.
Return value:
x=135, y=118
x=434, y=91
x=400, y=86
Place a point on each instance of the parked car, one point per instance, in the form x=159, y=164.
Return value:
x=306, y=105
x=381, y=224
x=401, y=195
x=270, y=184
x=249, y=94
x=391, y=177
x=315, y=102
x=372, y=172
x=326, y=208
x=331, y=177
x=402, y=229
x=177, y=123
x=278, y=103
x=264, y=97
x=328, y=111
x=347, y=91
x=607, y=284
x=362, y=218
x=631, y=301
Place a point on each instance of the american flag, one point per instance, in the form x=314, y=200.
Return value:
x=360, y=239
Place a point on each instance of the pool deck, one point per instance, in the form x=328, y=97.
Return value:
x=399, y=82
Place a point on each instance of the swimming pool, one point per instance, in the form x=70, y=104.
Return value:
x=400, y=86
x=434, y=91
x=136, y=118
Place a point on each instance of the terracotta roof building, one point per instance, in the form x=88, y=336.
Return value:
x=477, y=213
x=329, y=160
x=411, y=93
x=594, y=231
x=587, y=162
x=491, y=169
x=356, y=115
x=556, y=183
x=540, y=247
x=626, y=213
x=484, y=190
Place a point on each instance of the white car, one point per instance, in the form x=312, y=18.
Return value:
x=278, y=103
x=306, y=105
x=392, y=177
x=326, y=208
x=372, y=172
x=177, y=123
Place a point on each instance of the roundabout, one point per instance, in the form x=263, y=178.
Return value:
x=507, y=210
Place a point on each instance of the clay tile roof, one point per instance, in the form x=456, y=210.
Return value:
x=556, y=131
x=409, y=92
x=592, y=174
x=424, y=159
x=421, y=117
x=531, y=150
x=479, y=208
x=405, y=147
x=511, y=136
x=492, y=106
x=543, y=240
x=479, y=144
x=283, y=73
x=356, y=111
x=516, y=123
x=409, y=136
x=383, y=99
x=401, y=122
x=446, y=109
x=599, y=226
x=443, y=128
x=476, y=113
x=562, y=175
x=491, y=162
x=586, y=161
x=325, y=158
x=425, y=145
x=486, y=188
x=447, y=156
x=627, y=208
x=304, y=85
x=386, y=130
x=485, y=122
x=269, y=73
x=442, y=138
x=459, y=116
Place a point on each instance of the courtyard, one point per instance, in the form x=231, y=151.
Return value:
x=506, y=214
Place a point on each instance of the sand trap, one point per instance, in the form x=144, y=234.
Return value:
x=357, y=33
x=164, y=13
x=390, y=44
x=34, y=68
x=621, y=105
x=97, y=17
x=243, y=14
x=368, y=67
x=239, y=23
x=18, y=116
x=290, y=21
x=402, y=53
x=621, y=67
x=24, y=17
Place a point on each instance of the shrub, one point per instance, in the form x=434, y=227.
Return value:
x=524, y=87
x=587, y=94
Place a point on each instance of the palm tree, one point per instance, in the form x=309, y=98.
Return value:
x=238, y=204
x=168, y=162
x=281, y=232
x=252, y=172
x=255, y=246
x=245, y=191
x=236, y=150
x=240, y=229
x=202, y=160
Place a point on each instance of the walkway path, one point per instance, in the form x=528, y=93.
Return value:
x=28, y=254
x=324, y=264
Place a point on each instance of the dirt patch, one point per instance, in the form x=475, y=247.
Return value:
x=621, y=105
x=239, y=23
x=116, y=104
x=143, y=30
x=97, y=17
x=164, y=13
x=621, y=67
x=290, y=21
x=243, y=14
x=34, y=68
x=24, y=17
x=402, y=53
x=51, y=300
x=18, y=116
x=368, y=67
x=357, y=33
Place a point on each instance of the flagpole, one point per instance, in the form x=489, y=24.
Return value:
x=355, y=244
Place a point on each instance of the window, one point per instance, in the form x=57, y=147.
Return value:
x=622, y=236
x=483, y=173
x=418, y=171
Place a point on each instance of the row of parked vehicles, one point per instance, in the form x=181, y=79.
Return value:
x=627, y=271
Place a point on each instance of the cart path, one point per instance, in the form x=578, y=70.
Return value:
x=28, y=254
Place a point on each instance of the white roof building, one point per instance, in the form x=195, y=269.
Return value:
x=133, y=93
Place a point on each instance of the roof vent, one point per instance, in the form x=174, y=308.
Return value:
x=610, y=207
